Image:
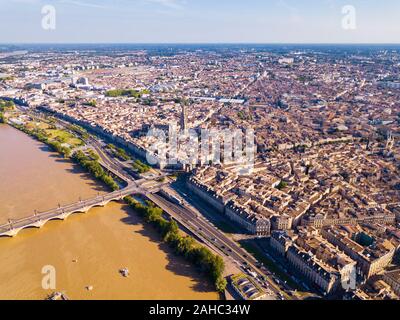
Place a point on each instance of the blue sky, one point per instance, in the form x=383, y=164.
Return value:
x=193, y=21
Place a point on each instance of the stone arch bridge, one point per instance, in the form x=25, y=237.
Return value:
x=38, y=220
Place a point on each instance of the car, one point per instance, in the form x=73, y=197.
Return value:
x=223, y=247
x=230, y=250
x=245, y=256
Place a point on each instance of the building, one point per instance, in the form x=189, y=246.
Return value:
x=393, y=279
x=253, y=223
x=247, y=288
x=308, y=266
x=329, y=271
x=282, y=222
x=207, y=194
x=389, y=83
x=281, y=241
x=371, y=259
x=81, y=81
x=319, y=221
x=314, y=258
x=37, y=85
x=286, y=61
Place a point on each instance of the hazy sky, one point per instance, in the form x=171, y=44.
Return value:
x=190, y=21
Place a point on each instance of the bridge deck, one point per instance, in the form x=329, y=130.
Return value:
x=67, y=209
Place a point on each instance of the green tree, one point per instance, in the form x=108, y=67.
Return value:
x=221, y=284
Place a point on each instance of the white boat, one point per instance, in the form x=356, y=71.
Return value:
x=124, y=272
x=57, y=296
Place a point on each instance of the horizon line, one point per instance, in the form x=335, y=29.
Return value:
x=200, y=43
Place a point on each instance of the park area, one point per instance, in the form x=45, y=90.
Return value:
x=55, y=134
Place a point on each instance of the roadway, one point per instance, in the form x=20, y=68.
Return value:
x=218, y=240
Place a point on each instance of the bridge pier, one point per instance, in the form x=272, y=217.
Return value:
x=11, y=233
x=39, y=224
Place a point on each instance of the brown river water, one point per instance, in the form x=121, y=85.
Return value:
x=87, y=249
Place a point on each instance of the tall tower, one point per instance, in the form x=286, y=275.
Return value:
x=389, y=145
x=184, y=120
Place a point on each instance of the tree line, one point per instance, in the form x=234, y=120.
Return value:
x=6, y=105
x=209, y=263
x=141, y=167
x=119, y=152
x=93, y=166
x=132, y=93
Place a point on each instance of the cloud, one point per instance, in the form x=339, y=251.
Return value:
x=294, y=15
x=23, y=1
x=173, y=4
x=82, y=3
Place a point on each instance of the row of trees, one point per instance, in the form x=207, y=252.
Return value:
x=94, y=167
x=78, y=130
x=58, y=147
x=6, y=105
x=119, y=152
x=132, y=93
x=91, y=103
x=141, y=167
x=186, y=246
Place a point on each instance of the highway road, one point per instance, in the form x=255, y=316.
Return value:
x=220, y=242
